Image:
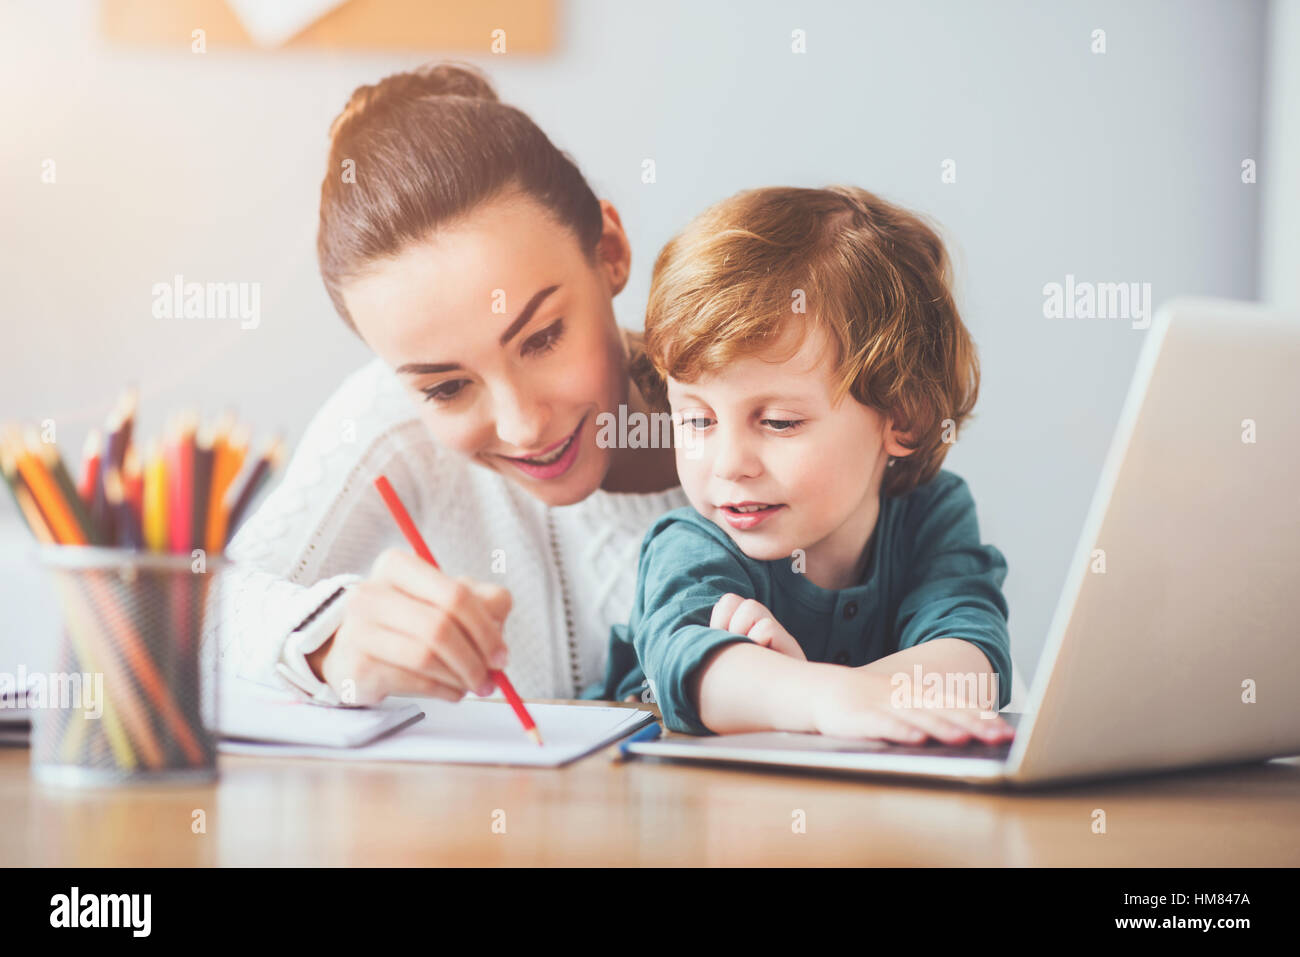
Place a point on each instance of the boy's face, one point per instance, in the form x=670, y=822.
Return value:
x=765, y=455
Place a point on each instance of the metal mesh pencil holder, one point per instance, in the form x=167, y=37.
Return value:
x=132, y=698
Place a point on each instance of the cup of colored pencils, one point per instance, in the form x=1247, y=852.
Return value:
x=133, y=548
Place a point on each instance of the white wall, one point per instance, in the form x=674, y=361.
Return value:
x=1280, y=172
x=1116, y=167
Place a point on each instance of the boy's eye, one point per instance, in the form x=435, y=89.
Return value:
x=445, y=391
x=696, y=421
x=783, y=425
x=544, y=341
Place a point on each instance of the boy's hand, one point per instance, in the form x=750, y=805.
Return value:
x=855, y=703
x=745, y=616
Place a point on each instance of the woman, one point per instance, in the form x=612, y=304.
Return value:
x=472, y=257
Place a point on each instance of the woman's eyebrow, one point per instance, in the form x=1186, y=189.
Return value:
x=427, y=368
x=521, y=320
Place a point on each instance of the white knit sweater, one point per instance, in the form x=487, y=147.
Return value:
x=571, y=570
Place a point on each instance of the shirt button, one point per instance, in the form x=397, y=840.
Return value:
x=850, y=610
x=841, y=658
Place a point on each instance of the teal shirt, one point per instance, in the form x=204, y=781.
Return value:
x=928, y=577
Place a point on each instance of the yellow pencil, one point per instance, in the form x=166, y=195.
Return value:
x=155, y=499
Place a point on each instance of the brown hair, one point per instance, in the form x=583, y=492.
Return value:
x=427, y=147
x=873, y=276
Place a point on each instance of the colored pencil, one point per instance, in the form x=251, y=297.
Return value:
x=115, y=435
x=403, y=519
x=83, y=623
x=202, y=487
x=49, y=455
x=253, y=476
x=83, y=633
x=172, y=497
x=27, y=506
x=56, y=509
x=155, y=500
x=133, y=481
x=180, y=491
x=121, y=440
x=89, y=466
x=230, y=450
x=128, y=523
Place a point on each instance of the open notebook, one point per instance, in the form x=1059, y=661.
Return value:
x=470, y=732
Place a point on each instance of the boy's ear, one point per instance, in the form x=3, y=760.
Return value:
x=613, y=251
x=898, y=442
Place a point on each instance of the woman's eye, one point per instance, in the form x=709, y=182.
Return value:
x=445, y=391
x=783, y=425
x=696, y=422
x=544, y=341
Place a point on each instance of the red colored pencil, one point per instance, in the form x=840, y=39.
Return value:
x=403, y=519
x=89, y=467
x=180, y=463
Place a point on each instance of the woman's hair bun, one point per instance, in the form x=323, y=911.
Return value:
x=449, y=79
x=432, y=79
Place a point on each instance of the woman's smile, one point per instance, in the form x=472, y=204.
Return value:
x=554, y=460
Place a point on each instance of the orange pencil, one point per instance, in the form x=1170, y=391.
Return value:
x=35, y=520
x=403, y=519
x=227, y=459
x=67, y=530
x=22, y=497
x=48, y=453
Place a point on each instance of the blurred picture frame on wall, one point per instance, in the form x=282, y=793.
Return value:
x=504, y=26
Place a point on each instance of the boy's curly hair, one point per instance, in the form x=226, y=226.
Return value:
x=874, y=276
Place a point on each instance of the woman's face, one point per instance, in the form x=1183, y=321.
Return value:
x=505, y=334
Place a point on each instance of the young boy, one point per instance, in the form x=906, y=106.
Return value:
x=829, y=576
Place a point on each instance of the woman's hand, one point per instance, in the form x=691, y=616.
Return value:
x=856, y=703
x=411, y=629
x=748, y=617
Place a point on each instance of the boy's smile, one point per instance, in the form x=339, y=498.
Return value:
x=768, y=457
x=748, y=515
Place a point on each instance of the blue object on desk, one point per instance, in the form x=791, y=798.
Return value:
x=649, y=733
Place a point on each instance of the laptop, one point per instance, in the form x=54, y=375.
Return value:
x=1185, y=650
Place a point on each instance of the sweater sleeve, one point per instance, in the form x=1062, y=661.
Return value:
x=953, y=583
x=290, y=564
x=683, y=573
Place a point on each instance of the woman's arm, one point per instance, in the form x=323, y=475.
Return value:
x=300, y=562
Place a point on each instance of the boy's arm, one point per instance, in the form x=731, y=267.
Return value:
x=745, y=687
x=684, y=571
x=953, y=618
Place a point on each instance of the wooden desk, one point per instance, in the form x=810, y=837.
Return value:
x=595, y=812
